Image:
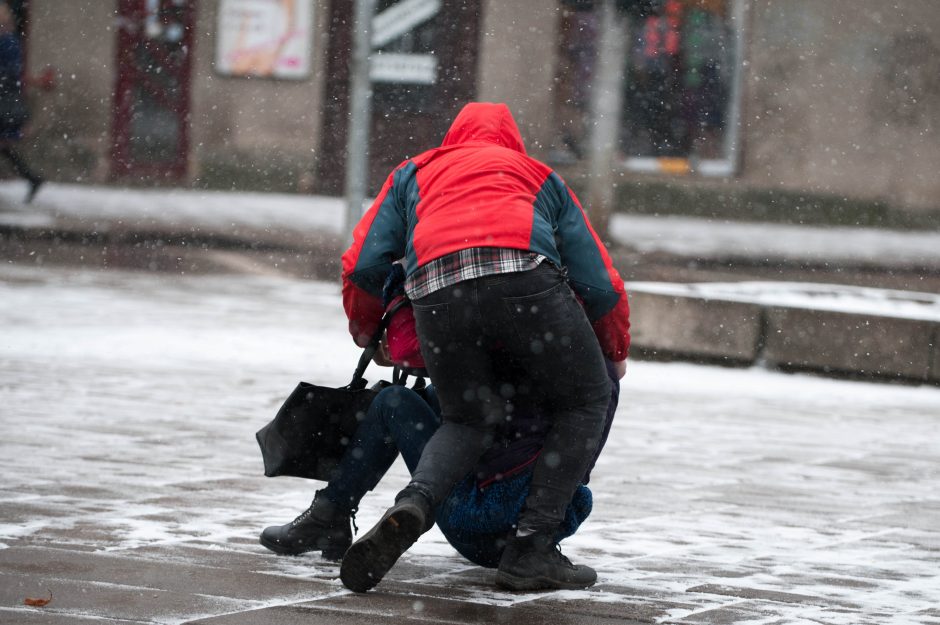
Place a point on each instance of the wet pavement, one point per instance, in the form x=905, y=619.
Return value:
x=132, y=487
x=743, y=323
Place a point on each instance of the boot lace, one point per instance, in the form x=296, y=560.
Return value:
x=306, y=514
x=561, y=556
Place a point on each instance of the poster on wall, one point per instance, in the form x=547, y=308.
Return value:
x=264, y=38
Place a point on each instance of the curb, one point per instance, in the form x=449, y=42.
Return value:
x=313, y=255
x=700, y=329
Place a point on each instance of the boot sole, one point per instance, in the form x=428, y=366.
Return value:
x=329, y=553
x=373, y=555
x=513, y=582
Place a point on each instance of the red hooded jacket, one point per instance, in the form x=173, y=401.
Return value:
x=480, y=189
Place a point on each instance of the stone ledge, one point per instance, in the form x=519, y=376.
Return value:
x=695, y=327
x=873, y=345
x=934, y=374
x=687, y=322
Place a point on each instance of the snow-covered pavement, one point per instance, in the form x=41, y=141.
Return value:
x=132, y=487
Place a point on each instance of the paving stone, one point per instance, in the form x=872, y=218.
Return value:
x=80, y=598
x=730, y=615
x=435, y=609
x=249, y=558
x=45, y=616
x=295, y=615
x=388, y=608
x=157, y=574
x=759, y=593
x=927, y=617
x=640, y=609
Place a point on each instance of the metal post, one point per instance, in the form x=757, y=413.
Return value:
x=732, y=139
x=360, y=116
x=606, y=109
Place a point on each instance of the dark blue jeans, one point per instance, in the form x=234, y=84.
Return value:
x=398, y=421
x=401, y=421
x=533, y=321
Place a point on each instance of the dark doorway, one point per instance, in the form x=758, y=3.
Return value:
x=151, y=100
x=20, y=10
x=423, y=76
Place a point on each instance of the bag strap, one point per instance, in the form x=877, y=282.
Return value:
x=358, y=382
x=399, y=376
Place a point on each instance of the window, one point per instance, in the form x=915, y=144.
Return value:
x=681, y=83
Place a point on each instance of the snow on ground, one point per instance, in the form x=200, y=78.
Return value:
x=831, y=297
x=171, y=207
x=708, y=238
x=129, y=402
x=698, y=238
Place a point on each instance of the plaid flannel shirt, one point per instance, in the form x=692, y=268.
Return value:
x=467, y=264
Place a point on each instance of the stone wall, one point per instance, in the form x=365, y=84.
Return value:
x=249, y=129
x=70, y=132
x=843, y=97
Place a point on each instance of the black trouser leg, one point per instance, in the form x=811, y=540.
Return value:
x=450, y=454
x=460, y=366
x=569, y=449
x=533, y=320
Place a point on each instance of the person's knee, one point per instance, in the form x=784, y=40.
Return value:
x=393, y=395
x=400, y=409
x=595, y=412
x=458, y=436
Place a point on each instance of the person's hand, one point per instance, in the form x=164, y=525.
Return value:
x=381, y=356
x=621, y=369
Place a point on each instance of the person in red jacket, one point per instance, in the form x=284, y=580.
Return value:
x=501, y=264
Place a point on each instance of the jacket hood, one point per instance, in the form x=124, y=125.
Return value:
x=485, y=122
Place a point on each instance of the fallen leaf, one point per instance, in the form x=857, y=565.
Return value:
x=38, y=603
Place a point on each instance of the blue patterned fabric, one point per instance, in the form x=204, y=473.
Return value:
x=476, y=521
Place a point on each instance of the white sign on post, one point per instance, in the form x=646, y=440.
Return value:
x=401, y=17
x=404, y=68
x=401, y=67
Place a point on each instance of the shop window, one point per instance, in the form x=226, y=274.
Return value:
x=680, y=90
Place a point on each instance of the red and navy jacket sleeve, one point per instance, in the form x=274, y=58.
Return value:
x=591, y=273
x=378, y=241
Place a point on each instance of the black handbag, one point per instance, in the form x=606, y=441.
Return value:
x=314, y=426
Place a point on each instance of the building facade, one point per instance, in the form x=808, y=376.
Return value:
x=838, y=98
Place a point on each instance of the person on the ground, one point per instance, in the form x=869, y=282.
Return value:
x=13, y=110
x=478, y=515
x=502, y=265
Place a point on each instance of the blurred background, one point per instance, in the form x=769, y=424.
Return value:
x=800, y=111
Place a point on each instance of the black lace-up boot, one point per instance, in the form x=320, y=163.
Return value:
x=371, y=557
x=321, y=527
x=535, y=562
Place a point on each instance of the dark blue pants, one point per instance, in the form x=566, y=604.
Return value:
x=401, y=421
x=398, y=421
